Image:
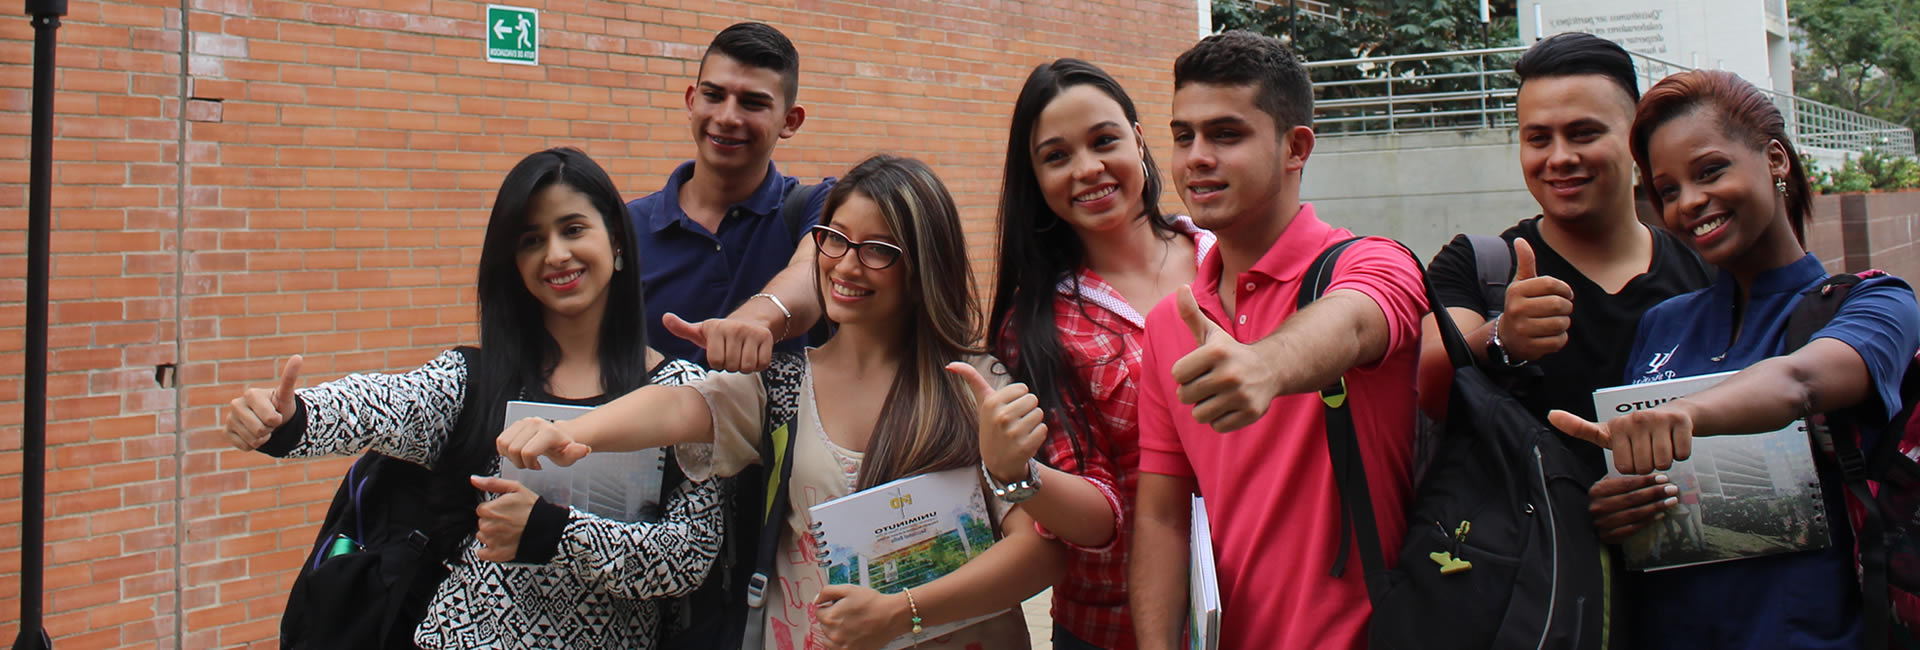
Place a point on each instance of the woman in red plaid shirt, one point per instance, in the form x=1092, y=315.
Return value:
x=1084, y=253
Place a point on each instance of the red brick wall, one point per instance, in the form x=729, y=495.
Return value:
x=1893, y=220
x=247, y=179
x=1855, y=232
x=1825, y=237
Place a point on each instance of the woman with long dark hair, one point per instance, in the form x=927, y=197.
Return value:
x=874, y=404
x=1085, y=253
x=1715, y=155
x=560, y=312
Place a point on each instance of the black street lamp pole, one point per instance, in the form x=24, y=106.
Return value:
x=33, y=471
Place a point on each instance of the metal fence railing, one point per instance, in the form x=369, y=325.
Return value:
x=1476, y=89
x=1312, y=8
x=1415, y=92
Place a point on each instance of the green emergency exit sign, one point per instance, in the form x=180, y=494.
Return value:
x=513, y=35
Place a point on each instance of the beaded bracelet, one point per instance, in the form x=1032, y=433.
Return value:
x=916, y=617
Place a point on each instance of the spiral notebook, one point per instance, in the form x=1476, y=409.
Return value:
x=1740, y=496
x=904, y=534
x=624, y=486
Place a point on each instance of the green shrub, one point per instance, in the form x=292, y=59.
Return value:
x=1871, y=171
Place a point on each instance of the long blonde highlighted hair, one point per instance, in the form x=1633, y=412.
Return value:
x=928, y=422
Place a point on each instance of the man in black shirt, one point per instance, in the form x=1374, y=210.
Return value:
x=1583, y=270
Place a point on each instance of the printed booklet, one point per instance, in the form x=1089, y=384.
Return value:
x=1203, y=587
x=904, y=534
x=624, y=486
x=1740, y=496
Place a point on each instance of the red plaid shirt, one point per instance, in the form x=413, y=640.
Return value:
x=1102, y=335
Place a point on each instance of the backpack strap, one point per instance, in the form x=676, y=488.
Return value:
x=467, y=452
x=1357, y=520
x=1817, y=306
x=1493, y=263
x=781, y=381
x=793, y=211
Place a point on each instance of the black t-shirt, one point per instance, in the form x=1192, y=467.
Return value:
x=1602, y=329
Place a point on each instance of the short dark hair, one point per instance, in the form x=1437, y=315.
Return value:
x=1578, y=53
x=1242, y=58
x=761, y=46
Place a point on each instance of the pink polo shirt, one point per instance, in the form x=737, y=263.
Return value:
x=1269, y=486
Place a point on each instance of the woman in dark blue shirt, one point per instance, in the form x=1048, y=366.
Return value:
x=1714, y=153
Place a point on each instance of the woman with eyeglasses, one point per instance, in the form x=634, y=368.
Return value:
x=894, y=277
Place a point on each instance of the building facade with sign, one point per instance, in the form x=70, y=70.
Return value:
x=1747, y=37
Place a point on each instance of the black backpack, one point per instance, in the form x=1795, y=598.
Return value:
x=726, y=610
x=1882, y=483
x=383, y=549
x=1499, y=551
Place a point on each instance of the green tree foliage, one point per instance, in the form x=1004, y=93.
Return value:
x=1861, y=55
x=1372, y=27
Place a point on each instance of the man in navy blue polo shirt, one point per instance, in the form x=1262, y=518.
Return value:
x=727, y=278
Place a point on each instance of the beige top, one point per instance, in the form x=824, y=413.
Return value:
x=822, y=471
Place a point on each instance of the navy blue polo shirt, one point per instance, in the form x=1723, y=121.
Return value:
x=1808, y=599
x=699, y=274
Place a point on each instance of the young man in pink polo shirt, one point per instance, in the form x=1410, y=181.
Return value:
x=1236, y=417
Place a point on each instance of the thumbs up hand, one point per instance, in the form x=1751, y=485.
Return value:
x=1226, y=381
x=502, y=519
x=1012, y=426
x=732, y=344
x=1642, y=441
x=1533, y=323
x=252, y=417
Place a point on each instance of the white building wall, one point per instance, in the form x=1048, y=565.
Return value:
x=1729, y=35
x=1421, y=189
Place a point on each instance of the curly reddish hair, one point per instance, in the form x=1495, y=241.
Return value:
x=1744, y=113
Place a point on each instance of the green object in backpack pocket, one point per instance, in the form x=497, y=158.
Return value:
x=1450, y=561
x=340, y=545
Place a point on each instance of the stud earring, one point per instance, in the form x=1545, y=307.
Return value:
x=1780, y=185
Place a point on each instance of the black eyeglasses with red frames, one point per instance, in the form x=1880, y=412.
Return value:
x=875, y=255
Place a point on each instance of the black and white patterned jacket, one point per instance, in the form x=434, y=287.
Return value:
x=596, y=590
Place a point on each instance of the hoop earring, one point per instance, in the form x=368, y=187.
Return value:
x=1780, y=185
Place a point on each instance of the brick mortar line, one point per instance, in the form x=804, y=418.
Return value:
x=179, y=334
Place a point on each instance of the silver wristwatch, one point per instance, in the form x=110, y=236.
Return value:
x=1498, y=352
x=1017, y=491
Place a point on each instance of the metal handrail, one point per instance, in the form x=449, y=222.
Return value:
x=1406, y=92
x=1394, y=58
x=1315, y=8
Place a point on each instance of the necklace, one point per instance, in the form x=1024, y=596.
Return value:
x=1160, y=269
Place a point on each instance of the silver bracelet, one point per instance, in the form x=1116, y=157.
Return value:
x=784, y=324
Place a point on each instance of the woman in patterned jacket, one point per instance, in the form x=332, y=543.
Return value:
x=560, y=321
